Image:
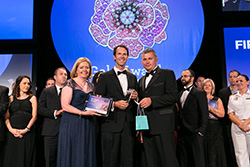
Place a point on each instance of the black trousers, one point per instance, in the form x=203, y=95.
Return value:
x=190, y=150
x=159, y=150
x=117, y=148
x=50, y=150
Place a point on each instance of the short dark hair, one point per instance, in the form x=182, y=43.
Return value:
x=50, y=78
x=148, y=50
x=246, y=77
x=235, y=71
x=122, y=46
x=192, y=74
x=59, y=69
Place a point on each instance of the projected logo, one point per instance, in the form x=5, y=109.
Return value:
x=136, y=24
x=83, y=28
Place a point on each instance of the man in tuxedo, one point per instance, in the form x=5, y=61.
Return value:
x=158, y=94
x=49, y=107
x=224, y=94
x=4, y=102
x=192, y=124
x=118, y=129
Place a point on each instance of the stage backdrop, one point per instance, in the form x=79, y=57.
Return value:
x=13, y=65
x=237, y=49
x=16, y=19
x=92, y=28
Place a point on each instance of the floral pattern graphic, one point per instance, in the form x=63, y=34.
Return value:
x=134, y=23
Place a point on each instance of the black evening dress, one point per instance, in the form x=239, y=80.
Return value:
x=214, y=142
x=20, y=152
x=76, y=143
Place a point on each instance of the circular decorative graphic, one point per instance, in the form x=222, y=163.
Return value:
x=174, y=29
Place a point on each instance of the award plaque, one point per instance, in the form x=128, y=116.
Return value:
x=100, y=104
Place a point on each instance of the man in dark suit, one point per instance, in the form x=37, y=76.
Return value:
x=49, y=107
x=4, y=102
x=224, y=94
x=193, y=111
x=118, y=129
x=158, y=94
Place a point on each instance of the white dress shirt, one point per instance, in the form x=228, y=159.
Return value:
x=185, y=95
x=123, y=80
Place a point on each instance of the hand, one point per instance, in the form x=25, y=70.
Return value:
x=139, y=136
x=23, y=131
x=90, y=113
x=16, y=133
x=59, y=112
x=243, y=126
x=121, y=104
x=145, y=102
x=134, y=94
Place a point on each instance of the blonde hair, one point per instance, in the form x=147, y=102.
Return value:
x=212, y=83
x=73, y=73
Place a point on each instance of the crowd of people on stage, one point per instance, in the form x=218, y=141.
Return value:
x=189, y=128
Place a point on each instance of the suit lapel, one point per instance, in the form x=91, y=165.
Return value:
x=56, y=94
x=153, y=79
x=130, y=79
x=142, y=83
x=116, y=82
x=189, y=97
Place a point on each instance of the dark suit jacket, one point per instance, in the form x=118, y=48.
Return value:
x=4, y=102
x=49, y=101
x=162, y=89
x=109, y=86
x=224, y=94
x=194, y=114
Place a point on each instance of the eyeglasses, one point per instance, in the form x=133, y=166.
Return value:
x=185, y=76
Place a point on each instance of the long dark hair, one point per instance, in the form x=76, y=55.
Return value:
x=16, y=90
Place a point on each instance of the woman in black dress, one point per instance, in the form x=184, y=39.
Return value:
x=19, y=120
x=214, y=143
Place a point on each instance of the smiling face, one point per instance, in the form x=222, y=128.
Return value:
x=242, y=83
x=208, y=87
x=120, y=57
x=149, y=61
x=83, y=70
x=24, y=85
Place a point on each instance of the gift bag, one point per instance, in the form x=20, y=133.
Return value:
x=141, y=120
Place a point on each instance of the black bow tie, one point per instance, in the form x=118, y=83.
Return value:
x=122, y=72
x=151, y=72
x=188, y=89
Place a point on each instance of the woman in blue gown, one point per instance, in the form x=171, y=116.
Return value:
x=76, y=144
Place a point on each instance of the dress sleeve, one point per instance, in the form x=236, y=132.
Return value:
x=70, y=83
